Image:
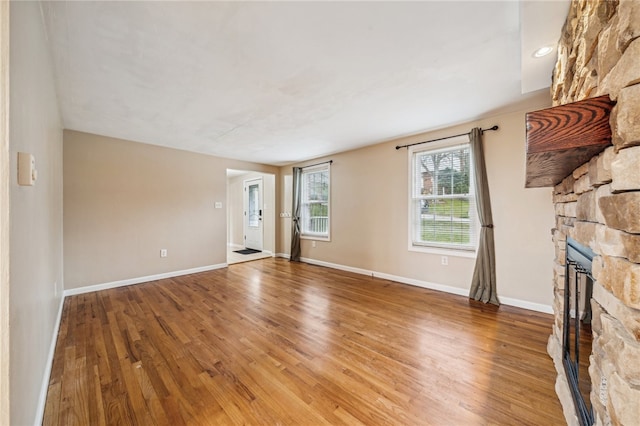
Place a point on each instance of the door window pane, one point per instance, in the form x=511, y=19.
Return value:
x=254, y=206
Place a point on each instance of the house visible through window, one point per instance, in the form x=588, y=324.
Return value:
x=443, y=211
x=314, y=217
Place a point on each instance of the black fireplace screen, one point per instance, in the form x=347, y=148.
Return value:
x=577, y=337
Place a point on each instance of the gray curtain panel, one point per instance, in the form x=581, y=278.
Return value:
x=295, y=215
x=483, y=283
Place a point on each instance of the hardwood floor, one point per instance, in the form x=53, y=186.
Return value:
x=274, y=342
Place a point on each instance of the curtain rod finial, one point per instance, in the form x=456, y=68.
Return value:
x=490, y=128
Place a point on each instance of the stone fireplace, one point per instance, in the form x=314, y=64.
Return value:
x=598, y=206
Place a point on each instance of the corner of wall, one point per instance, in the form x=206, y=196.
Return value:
x=35, y=239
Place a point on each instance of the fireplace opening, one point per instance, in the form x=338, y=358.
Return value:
x=577, y=336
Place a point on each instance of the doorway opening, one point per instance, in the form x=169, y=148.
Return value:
x=251, y=215
x=252, y=198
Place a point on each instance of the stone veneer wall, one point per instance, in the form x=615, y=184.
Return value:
x=599, y=204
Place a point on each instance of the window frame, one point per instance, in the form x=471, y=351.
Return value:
x=315, y=236
x=449, y=249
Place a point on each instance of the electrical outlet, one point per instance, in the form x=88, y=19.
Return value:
x=163, y=253
x=313, y=243
x=444, y=260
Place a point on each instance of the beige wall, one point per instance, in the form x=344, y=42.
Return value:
x=124, y=201
x=235, y=212
x=36, y=212
x=369, y=215
x=4, y=213
x=235, y=197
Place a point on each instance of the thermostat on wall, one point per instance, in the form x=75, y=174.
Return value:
x=27, y=173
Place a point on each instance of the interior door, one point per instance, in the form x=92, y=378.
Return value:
x=253, y=229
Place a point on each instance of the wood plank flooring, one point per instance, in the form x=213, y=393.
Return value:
x=274, y=342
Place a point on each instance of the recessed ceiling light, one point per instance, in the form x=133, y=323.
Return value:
x=543, y=51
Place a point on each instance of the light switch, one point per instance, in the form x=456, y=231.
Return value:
x=27, y=173
x=218, y=204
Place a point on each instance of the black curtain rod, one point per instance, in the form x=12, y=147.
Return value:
x=317, y=164
x=446, y=137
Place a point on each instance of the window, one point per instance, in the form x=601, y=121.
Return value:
x=314, y=205
x=443, y=210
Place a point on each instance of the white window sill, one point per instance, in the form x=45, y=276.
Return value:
x=315, y=238
x=443, y=251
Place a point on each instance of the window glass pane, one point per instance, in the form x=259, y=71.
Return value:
x=443, y=172
x=445, y=220
x=254, y=212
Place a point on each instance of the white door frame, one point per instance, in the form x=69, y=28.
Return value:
x=253, y=235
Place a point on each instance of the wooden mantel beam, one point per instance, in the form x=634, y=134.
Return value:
x=562, y=138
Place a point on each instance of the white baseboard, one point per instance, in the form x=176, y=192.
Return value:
x=402, y=280
x=538, y=307
x=122, y=283
x=42, y=398
x=524, y=304
x=283, y=255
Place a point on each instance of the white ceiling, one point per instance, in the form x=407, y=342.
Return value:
x=278, y=82
x=540, y=25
